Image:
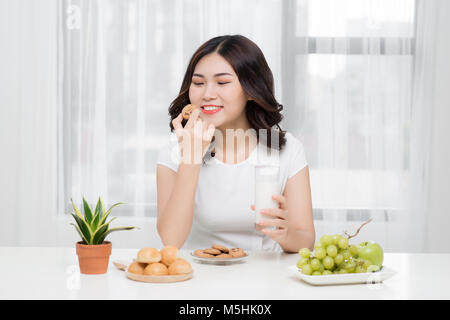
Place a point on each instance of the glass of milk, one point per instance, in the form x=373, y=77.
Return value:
x=266, y=185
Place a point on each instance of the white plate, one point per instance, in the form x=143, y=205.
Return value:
x=349, y=278
x=219, y=261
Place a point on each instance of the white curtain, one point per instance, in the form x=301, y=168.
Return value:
x=345, y=71
x=28, y=124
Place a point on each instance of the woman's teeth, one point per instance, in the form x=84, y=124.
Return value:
x=210, y=108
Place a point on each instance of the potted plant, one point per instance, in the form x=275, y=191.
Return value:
x=93, y=251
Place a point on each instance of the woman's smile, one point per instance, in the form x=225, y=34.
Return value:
x=211, y=108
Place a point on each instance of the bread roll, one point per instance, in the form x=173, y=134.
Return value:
x=156, y=269
x=137, y=268
x=180, y=266
x=169, y=254
x=148, y=255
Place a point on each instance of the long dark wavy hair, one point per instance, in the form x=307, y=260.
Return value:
x=262, y=111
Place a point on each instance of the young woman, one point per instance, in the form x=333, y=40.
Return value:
x=206, y=202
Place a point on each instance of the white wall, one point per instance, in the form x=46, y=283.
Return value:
x=438, y=219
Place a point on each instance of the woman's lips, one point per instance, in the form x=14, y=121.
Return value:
x=211, y=109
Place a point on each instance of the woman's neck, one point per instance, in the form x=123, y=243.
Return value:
x=234, y=145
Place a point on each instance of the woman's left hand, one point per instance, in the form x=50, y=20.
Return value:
x=276, y=217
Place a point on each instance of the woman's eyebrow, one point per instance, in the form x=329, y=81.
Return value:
x=216, y=75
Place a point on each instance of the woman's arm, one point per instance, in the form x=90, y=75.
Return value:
x=176, y=195
x=176, y=190
x=300, y=231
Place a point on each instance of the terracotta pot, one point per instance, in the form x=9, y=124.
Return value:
x=93, y=259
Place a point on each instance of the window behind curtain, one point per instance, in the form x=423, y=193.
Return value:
x=343, y=70
x=353, y=63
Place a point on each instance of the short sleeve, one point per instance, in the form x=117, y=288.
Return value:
x=169, y=154
x=297, y=157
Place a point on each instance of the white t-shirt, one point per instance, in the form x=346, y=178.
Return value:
x=222, y=213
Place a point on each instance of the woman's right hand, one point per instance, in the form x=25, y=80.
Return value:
x=194, y=139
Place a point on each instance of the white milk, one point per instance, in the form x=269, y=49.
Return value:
x=266, y=185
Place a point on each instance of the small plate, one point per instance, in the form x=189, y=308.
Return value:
x=219, y=261
x=349, y=278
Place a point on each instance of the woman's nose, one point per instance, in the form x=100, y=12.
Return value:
x=210, y=92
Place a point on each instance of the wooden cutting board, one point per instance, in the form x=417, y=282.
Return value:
x=159, y=279
x=154, y=279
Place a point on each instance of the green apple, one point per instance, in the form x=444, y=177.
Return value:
x=371, y=251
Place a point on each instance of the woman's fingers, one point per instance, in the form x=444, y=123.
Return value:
x=280, y=199
x=278, y=223
x=176, y=122
x=274, y=213
x=192, y=119
x=274, y=234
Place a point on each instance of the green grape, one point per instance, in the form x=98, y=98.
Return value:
x=350, y=266
x=343, y=243
x=339, y=259
x=353, y=250
x=326, y=272
x=332, y=250
x=360, y=269
x=366, y=263
x=373, y=268
x=336, y=239
x=304, y=253
x=320, y=253
x=315, y=264
x=342, y=271
x=301, y=262
x=346, y=254
x=318, y=245
x=307, y=269
x=326, y=240
x=316, y=273
x=328, y=263
x=322, y=268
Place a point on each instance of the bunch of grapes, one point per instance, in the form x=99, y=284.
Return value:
x=333, y=255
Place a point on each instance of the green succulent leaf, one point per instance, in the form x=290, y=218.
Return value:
x=113, y=230
x=80, y=233
x=99, y=233
x=77, y=211
x=98, y=214
x=87, y=211
x=93, y=227
x=83, y=227
x=109, y=211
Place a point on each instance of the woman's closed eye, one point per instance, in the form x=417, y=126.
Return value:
x=201, y=83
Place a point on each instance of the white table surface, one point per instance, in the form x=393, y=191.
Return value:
x=53, y=273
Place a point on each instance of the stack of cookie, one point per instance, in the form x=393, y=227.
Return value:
x=219, y=251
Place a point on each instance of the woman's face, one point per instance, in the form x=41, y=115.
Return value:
x=215, y=87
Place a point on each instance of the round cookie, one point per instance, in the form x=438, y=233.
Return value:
x=223, y=255
x=201, y=254
x=187, y=111
x=212, y=251
x=237, y=252
x=221, y=248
